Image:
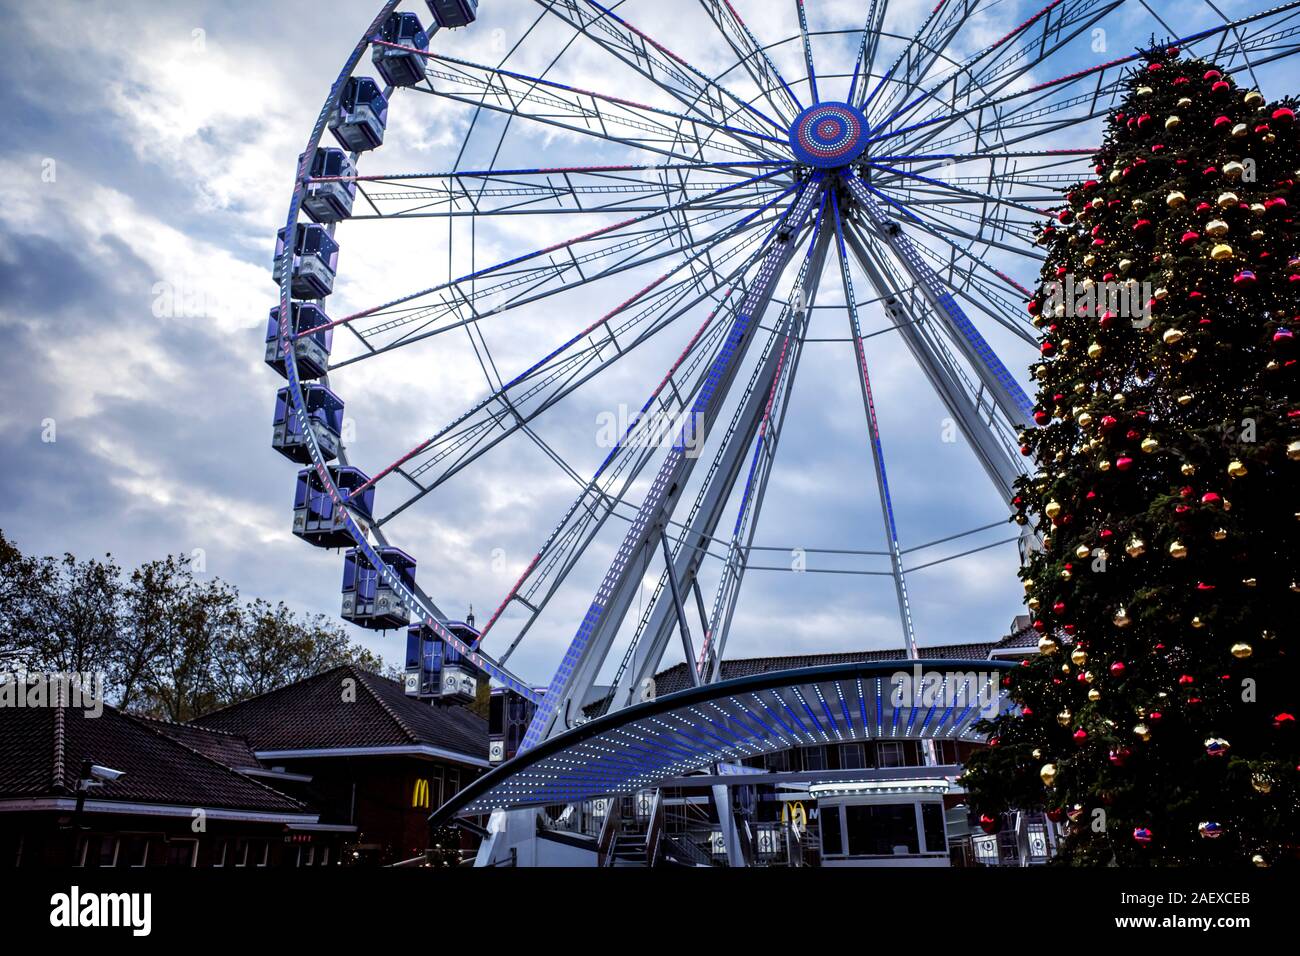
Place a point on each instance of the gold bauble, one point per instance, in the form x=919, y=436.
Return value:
x=1064, y=717
x=1237, y=469
x=1293, y=450
x=1221, y=251
x=1079, y=656
x=1048, y=774
x=1121, y=618
x=1149, y=445
x=1053, y=509
x=1188, y=468
x=1135, y=548
x=1258, y=209
x=1241, y=650
x=1161, y=294
x=1184, y=399
x=1249, y=582
x=1216, y=228
x=1240, y=130
x=1259, y=861
x=1085, y=419
x=1142, y=730
x=1082, y=551
x=1065, y=668
x=1103, y=465
x=1090, y=260
x=1173, y=122
x=1257, y=234
x=1184, y=102
x=1262, y=782
x=1047, y=645
x=1145, y=91
x=1033, y=604
x=1114, y=176
x=1178, y=550
x=1233, y=169
x=1228, y=199
x=1172, y=336
x=1094, y=694
x=1253, y=98
x=1197, y=623
x=1175, y=199
x=1066, y=574
x=1094, y=350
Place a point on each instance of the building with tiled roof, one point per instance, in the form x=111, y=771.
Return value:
x=171, y=802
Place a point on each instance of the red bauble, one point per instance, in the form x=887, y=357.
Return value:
x=988, y=824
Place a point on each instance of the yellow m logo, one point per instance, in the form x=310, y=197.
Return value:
x=420, y=796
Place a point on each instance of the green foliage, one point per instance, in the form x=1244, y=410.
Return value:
x=1167, y=455
x=170, y=644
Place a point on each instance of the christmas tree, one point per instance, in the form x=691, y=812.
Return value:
x=1158, y=718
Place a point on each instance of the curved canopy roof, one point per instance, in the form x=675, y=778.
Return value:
x=635, y=748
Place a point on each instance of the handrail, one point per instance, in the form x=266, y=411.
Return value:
x=609, y=832
x=655, y=830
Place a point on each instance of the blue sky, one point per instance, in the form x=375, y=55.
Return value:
x=147, y=164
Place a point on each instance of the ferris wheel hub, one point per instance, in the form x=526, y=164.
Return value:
x=829, y=135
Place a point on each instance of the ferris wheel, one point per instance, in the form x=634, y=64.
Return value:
x=649, y=205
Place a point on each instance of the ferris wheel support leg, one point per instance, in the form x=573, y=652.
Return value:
x=909, y=312
x=649, y=653
x=586, y=653
x=687, y=649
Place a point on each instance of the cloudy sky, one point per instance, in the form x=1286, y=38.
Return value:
x=147, y=163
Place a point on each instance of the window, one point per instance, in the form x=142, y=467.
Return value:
x=882, y=829
x=97, y=850
x=936, y=840
x=178, y=853
x=324, y=858
x=852, y=757
x=778, y=762
x=134, y=852
x=251, y=852
x=453, y=782
x=219, y=852
x=832, y=832
x=889, y=753
x=814, y=758
x=309, y=855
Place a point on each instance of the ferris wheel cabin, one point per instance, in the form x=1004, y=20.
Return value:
x=369, y=600
x=312, y=351
x=436, y=670
x=325, y=418
x=314, y=262
x=361, y=116
x=401, y=67
x=315, y=518
x=454, y=13
x=332, y=200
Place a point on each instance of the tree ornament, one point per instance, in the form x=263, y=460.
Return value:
x=1221, y=251
x=1241, y=650
x=1047, y=646
x=1228, y=199
x=1261, y=782
x=1177, y=550
x=988, y=824
x=1219, y=534
x=1259, y=861
x=1135, y=548
x=1217, y=746
x=1053, y=509
x=1293, y=450
x=1094, y=694
x=1064, y=717
x=1142, y=731
x=1149, y=445
x=1187, y=468
x=1142, y=835
x=1121, y=618
x=1172, y=336
x=1216, y=228
x=1210, y=830
x=1048, y=774
x=1175, y=199
x=1236, y=469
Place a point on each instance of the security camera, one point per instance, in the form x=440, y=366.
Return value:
x=105, y=774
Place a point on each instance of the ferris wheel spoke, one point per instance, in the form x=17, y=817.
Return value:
x=548, y=380
x=590, y=112
x=754, y=58
x=911, y=312
x=802, y=16
x=615, y=234
x=1008, y=62
x=654, y=61
x=558, y=190
x=1108, y=76
x=591, y=644
x=918, y=57
x=465, y=304
x=865, y=61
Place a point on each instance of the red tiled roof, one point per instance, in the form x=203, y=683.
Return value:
x=42, y=750
x=349, y=707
